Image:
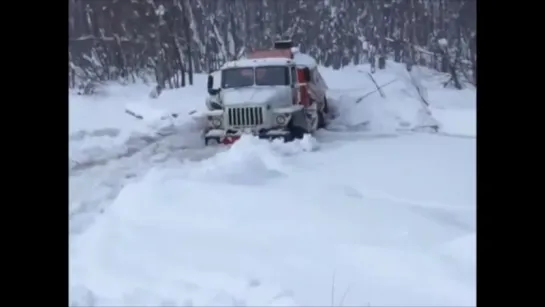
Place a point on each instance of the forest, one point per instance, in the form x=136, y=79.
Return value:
x=166, y=41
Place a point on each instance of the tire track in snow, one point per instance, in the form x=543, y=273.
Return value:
x=100, y=183
x=132, y=145
x=361, y=134
x=94, y=185
x=452, y=135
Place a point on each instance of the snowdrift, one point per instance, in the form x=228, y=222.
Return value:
x=399, y=107
x=124, y=119
x=253, y=225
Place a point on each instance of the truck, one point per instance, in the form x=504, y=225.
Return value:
x=276, y=93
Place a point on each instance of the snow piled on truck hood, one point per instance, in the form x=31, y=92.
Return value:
x=255, y=95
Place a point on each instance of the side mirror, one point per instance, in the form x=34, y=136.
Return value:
x=210, y=82
x=306, y=74
x=214, y=91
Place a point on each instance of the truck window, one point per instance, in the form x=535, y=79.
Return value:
x=272, y=75
x=237, y=77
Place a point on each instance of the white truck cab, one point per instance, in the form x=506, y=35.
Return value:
x=260, y=96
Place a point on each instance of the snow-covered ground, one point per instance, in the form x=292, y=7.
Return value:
x=101, y=130
x=366, y=213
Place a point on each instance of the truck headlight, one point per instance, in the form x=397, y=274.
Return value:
x=216, y=122
x=280, y=119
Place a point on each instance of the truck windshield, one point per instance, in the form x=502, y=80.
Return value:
x=237, y=77
x=272, y=75
x=264, y=75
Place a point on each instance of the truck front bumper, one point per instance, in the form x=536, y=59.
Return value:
x=226, y=137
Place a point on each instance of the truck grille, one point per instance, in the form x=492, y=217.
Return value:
x=245, y=117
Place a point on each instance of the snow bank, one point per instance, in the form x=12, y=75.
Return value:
x=249, y=161
x=401, y=107
x=253, y=225
x=455, y=110
x=102, y=127
x=462, y=122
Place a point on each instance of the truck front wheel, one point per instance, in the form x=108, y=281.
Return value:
x=321, y=120
x=295, y=131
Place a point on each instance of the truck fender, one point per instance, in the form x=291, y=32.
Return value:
x=289, y=109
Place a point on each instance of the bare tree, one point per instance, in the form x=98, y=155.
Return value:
x=169, y=40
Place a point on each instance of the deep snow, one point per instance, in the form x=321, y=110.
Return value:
x=366, y=213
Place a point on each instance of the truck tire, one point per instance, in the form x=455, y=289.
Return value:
x=295, y=132
x=321, y=120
